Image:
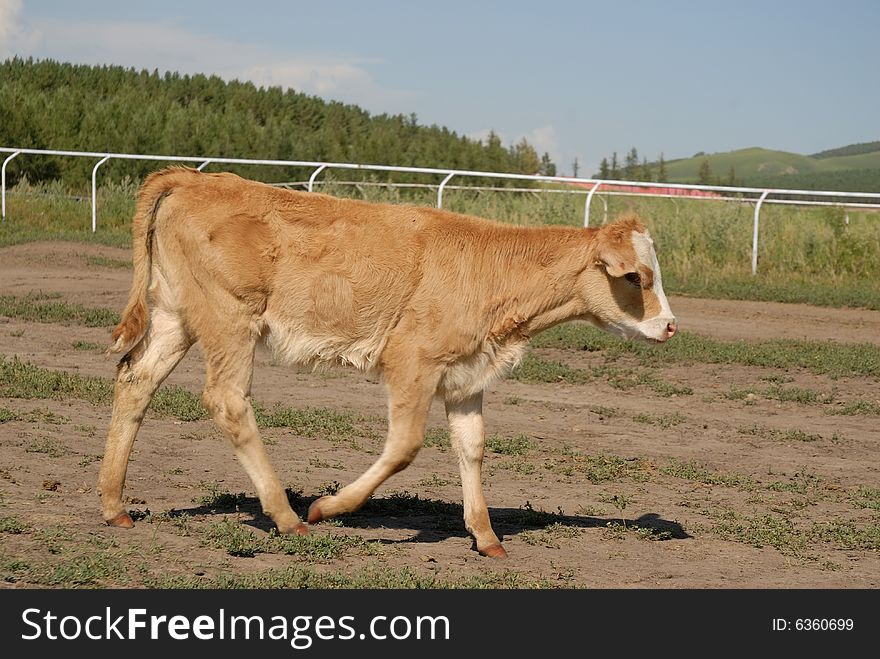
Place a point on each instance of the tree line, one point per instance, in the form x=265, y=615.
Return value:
x=46, y=104
x=633, y=168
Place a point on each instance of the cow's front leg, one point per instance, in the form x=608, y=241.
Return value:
x=468, y=439
x=409, y=399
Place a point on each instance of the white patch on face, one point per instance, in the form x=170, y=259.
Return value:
x=654, y=328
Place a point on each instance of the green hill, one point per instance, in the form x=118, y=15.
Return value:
x=849, y=150
x=855, y=168
x=747, y=163
x=52, y=105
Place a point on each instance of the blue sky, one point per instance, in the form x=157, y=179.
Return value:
x=577, y=79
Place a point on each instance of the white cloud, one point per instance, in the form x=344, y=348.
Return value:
x=10, y=11
x=482, y=135
x=171, y=48
x=544, y=140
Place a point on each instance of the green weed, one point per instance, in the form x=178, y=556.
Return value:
x=519, y=445
x=47, y=308
x=695, y=472
x=663, y=420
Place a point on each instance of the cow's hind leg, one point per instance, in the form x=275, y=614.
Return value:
x=468, y=439
x=138, y=376
x=227, y=397
x=409, y=402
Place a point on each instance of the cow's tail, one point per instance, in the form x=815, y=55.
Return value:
x=135, y=318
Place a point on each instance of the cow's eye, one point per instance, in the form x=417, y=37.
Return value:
x=633, y=278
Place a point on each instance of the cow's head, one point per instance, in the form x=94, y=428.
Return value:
x=622, y=285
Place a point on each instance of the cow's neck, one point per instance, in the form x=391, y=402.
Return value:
x=548, y=292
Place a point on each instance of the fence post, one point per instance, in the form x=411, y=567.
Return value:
x=440, y=189
x=315, y=175
x=587, y=204
x=203, y=165
x=95, y=193
x=3, y=175
x=755, y=233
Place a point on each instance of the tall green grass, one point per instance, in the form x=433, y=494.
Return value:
x=810, y=255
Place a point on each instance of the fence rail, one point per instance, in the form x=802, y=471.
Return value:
x=586, y=186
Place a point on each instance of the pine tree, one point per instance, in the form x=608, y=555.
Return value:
x=631, y=166
x=575, y=167
x=548, y=167
x=646, y=174
x=615, y=167
x=705, y=173
x=604, y=169
x=662, y=174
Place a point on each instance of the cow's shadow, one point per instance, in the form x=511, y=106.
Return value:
x=433, y=520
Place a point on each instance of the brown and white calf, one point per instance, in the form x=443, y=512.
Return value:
x=442, y=304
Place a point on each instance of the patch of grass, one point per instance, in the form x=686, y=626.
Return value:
x=519, y=445
x=783, y=394
x=435, y=481
x=20, y=379
x=763, y=530
x=86, y=345
x=327, y=547
x=11, y=524
x=551, y=535
x=47, y=308
x=438, y=438
x=54, y=538
x=178, y=521
x=820, y=357
x=81, y=570
x=602, y=468
x=858, y=407
x=7, y=414
x=404, y=504
x=217, y=499
x=618, y=530
x=866, y=497
x=234, y=538
x=86, y=460
x=694, y=472
x=329, y=488
x=528, y=516
x=47, y=446
x=846, y=535
x=801, y=483
x=177, y=402
x=106, y=262
x=372, y=577
x=314, y=422
x=663, y=420
x=605, y=411
x=791, y=434
x=520, y=466
x=533, y=369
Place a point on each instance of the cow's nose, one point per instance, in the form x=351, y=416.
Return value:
x=670, y=329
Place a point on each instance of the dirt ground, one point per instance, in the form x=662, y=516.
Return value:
x=706, y=533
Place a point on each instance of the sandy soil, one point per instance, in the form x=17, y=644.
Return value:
x=173, y=460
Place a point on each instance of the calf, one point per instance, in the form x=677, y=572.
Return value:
x=442, y=304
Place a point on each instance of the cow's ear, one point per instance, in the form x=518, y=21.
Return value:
x=615, y=255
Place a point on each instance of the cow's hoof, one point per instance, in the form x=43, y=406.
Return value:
x=494, y=551
x=122, y=520
x=315, y=514
x=300, y=529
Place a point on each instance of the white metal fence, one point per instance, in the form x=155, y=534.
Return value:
x=586, y=186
